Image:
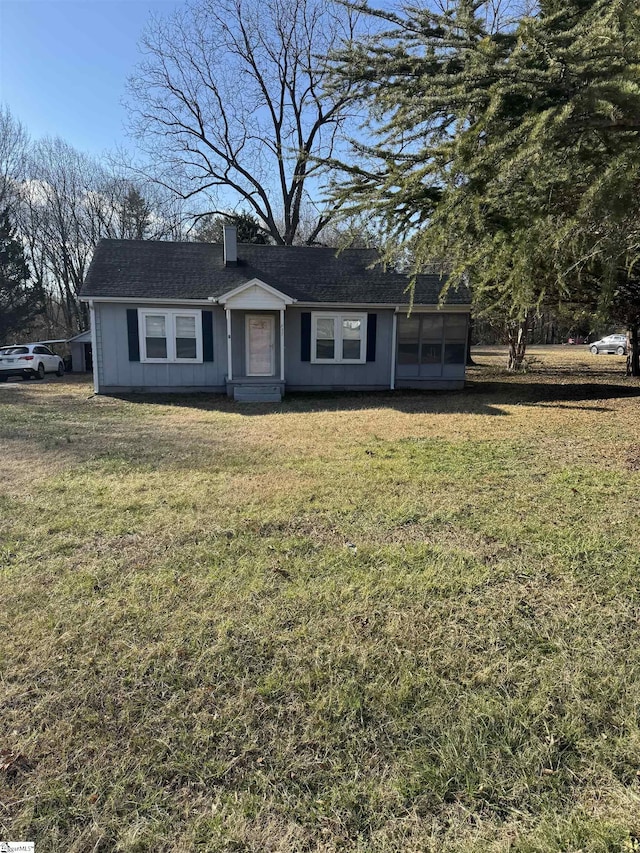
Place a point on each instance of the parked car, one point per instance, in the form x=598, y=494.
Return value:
x=576, y=339
x=612, y=343
x=31, y=361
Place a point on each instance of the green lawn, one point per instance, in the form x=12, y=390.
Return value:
x=374, y=623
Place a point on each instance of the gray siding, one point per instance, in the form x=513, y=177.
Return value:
x=306, y=375
x=117, y=372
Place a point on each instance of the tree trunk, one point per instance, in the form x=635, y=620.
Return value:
x=470, y=362
x=633, y=350
x=517, y=333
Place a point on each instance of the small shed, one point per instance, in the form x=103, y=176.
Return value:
x=81, y=353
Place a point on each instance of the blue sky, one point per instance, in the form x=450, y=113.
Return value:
x=64, y=64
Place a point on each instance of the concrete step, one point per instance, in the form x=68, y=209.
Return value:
x=257, y=393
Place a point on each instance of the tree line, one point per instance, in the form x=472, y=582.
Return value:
x=56, y=203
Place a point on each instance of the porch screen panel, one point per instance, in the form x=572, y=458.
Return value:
x=155, y=335
x=455, y=334
x=408, y=339
x=431, y=339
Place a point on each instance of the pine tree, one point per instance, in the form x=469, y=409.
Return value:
x=511, y=154
x=209, y=228
x=20, y=301
x=135, y=216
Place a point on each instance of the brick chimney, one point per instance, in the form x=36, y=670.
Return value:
x=230, y=240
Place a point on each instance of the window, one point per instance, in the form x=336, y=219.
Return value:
x=338, y=338
x=170, y=336
x=351, y=339
x=325, y=349
x=186, y=338
x=155, y=336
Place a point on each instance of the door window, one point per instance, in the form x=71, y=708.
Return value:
x=260, y=345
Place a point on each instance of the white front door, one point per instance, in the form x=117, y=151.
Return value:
x=260, y=334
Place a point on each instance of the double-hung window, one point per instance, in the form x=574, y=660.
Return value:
x=170, y=336
x=338, y=338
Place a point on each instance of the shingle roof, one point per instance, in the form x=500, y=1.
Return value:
x=148, y=269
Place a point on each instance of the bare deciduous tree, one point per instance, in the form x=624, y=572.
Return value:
x=66, y=202
x=14, y=142
x=59, y=221
x=231, y=103
x=132, y=209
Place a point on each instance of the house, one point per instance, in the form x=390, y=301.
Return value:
x=253, y=321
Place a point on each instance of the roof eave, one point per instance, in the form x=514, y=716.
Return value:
x=147, y=300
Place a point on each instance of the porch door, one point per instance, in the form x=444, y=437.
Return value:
x=261, y=344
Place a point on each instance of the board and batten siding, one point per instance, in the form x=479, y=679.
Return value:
x=118, y=373
x=305, y=375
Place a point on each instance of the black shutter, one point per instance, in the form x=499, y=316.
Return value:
x=305, y=336
x=132, y=334
x=372, y=325
x=207, y=335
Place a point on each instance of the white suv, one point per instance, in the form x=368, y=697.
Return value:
x=31, y=361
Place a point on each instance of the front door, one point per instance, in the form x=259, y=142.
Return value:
x=261, y=344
